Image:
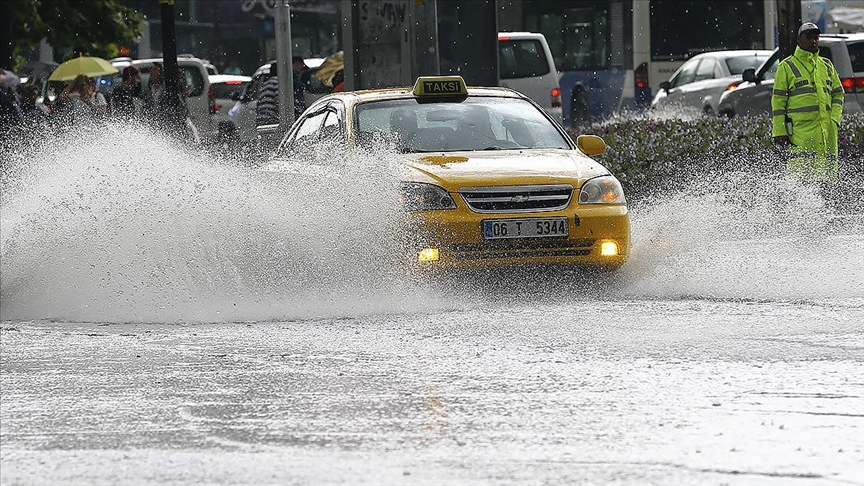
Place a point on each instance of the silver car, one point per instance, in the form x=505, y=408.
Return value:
x=699, y=82
x=846, y=52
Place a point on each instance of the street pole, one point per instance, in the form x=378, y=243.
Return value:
x=6, y=37
x=788, y=21
x=169, y=61
x=283, y=61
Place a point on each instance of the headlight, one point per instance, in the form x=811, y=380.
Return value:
x=602, y=190
x=417, y=196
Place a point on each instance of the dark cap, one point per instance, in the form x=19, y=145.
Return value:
x=807, y=27
x=129, y=72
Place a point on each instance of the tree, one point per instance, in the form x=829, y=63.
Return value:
x=93, y=27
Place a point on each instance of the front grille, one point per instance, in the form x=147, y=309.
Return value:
x=517, y=199
x=488, y=255
x=542, y=247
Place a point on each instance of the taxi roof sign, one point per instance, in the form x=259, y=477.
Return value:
x=440, y=86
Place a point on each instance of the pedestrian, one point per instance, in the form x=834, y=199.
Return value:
x=153, y=93
x=807, y=105
x=267, y=109
x=86, y=106
x=298, y=65
x=173, y=113
x=32, y=116
x=233, y=68
x=10, y=110
x=97, y=99
x=124, y=97
x=60, y=108
x=339, y=81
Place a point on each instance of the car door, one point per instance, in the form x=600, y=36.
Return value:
x=244, y=111
x=694, y=94
x=756, y=98
x=685, y=75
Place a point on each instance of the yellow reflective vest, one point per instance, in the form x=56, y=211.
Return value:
x=808, y=99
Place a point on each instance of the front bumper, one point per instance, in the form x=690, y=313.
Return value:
x=457, y=235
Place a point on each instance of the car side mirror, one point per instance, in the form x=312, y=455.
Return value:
x=749, y=75
x=591, y=144
x=665, y=85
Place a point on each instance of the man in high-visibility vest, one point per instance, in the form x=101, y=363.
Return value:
x=806, y=105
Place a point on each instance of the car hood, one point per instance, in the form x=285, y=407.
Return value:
x=455, y=170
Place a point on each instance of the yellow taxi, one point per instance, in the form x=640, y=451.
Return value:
x=493, y=180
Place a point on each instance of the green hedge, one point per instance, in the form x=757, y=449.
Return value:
x=645, y=152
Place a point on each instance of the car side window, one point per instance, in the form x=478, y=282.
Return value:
x=772, y=70
x=194, y=80
x=856, y=55
x=333, y=128
x=309, y=130
x=705, y=70
x=686, y=74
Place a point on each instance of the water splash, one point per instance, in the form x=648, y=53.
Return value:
x=742, y=236
x=124, y=225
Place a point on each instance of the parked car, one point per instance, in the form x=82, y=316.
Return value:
x=227, y=89
x=209, y=66
x=201, y=99
x=243, y=112
x=526, y=65
x=490, y=180
x=700, y=81
x=753, y=96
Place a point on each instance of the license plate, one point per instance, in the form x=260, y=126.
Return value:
x=525, y=228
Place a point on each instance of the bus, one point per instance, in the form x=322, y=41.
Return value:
x=612, y=55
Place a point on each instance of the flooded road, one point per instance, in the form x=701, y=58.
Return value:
x=207, y=329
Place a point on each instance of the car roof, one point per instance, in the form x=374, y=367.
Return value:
x=310, y=62
x=857, y=36
x=735, y=53
x=521, y=35
x=180, y=60
x=406, y=92
x=224, y=78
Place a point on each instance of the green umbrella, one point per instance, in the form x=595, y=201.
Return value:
x=88, y=66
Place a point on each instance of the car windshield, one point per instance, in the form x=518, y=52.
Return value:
x=772, y=69
x=521, y=59
x=192, y=78
x=737, y=65
x=856, y=55
x=474, y=123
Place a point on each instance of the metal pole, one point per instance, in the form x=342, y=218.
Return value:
x=6, y=36
x=350, y=43
x=283, y=61
x=169, y=60
x=788, y=21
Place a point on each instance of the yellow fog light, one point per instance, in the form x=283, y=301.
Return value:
x=608, y=248
x=428, y=255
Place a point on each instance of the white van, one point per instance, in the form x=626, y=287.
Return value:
x=525, y=64
x=201, y=100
